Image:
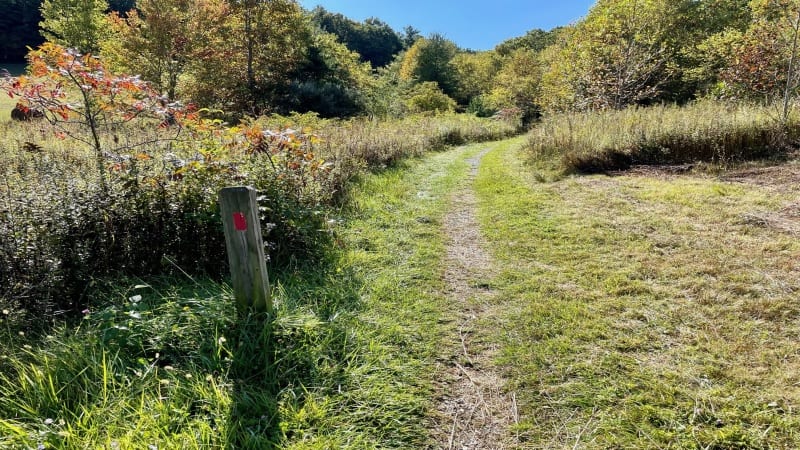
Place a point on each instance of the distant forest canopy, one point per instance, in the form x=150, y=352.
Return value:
x=19, y=26
x=254, y=57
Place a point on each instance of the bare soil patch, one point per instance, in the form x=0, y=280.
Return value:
x=474, y=409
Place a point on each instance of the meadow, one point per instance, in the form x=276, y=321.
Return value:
x=600, y=252
x=7, y=103
x=69, y=224
x=166, y=361
x=648, y=308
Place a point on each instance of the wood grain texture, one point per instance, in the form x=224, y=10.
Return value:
x=249, y=277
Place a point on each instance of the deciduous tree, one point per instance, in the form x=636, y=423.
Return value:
x=373, y=39
x=429, y=60
x=622, y=53
x=427, y=97
x=767, y=60
x=517, y=84
x=79, y=24
x=332, y=80
x=535, y=40
x=163, y=39
x=474, y=73
x=267, y=42
x=76, y=90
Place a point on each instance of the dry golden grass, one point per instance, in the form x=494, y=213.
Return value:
x=6, y=105
x=705, y=131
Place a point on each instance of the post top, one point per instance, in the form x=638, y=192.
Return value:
x=238, y=188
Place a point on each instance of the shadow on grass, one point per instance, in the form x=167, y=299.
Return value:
x=228, y=381
x=281, y=363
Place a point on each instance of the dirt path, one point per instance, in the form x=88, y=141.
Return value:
x=475, y=411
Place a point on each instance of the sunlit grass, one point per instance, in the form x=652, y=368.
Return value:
x=56, y=187
x=347, y=362
x=645, y=312
x=7, y=103
x=151, y=368
x=706, y=131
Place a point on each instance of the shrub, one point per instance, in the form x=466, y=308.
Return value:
x=130, y=186
x=427, y=97
x=158, y=212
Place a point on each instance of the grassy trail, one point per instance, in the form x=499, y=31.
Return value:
x=349, y=362
x=475, y=408
x=647, y=310
x=466, y=306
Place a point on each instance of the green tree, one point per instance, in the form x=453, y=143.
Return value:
x=79, y=24
x=535, y=40
x=429, y=60
x=766, y=59
x=708, y=29
x=163, y=39
x=273, y=37
x=410, y=36
x=332, y=80
x=559, y=79
x=474, y=73
x=373, y=39
x=248, y=64
x=517, y=85
x=710, y=61
x=427, y=97
x=622, y=53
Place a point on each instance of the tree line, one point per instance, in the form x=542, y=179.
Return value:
x=264, y=56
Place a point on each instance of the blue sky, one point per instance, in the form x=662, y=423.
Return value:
x=473, y=24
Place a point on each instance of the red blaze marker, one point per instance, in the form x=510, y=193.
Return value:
x=239, y=222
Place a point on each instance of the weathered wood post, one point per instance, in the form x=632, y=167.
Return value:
x=250, y=280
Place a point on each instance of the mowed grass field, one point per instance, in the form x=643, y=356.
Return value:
x=648, y=310
x=7, y=103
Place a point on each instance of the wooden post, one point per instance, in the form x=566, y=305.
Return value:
x=250, y=280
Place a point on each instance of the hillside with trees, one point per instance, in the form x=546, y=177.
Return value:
x=279, y=58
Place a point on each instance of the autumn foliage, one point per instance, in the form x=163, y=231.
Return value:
x=158, y=166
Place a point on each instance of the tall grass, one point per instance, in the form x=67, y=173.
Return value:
x=7, y=103
x=362, y=144
x=61, y=231
x=705, y=131
x=345, y=363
